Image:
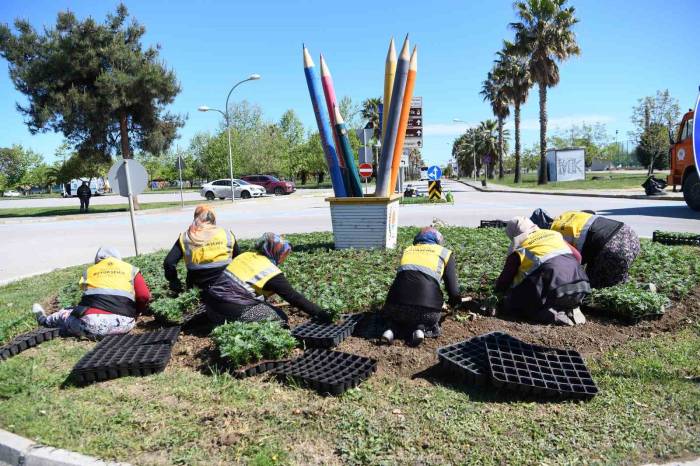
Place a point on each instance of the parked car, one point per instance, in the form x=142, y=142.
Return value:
x=222, y=189
x=11, y=193
x=271, y=184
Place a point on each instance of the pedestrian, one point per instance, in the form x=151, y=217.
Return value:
x=114, y=294
x=240, y=293
x=415, y=299
x=206, y=249
x=607, y=247
x=84, y=193
x=542, y=277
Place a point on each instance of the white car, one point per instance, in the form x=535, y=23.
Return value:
x=11, y=193
x=222, y=189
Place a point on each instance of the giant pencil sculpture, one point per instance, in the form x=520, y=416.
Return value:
x=324, y=129
x=391, y=130
x=403, y=120
x=389, y=73
x=354, y=188
x=331, y=103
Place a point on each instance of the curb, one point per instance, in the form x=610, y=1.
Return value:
x=565, y=193
x=19, y=451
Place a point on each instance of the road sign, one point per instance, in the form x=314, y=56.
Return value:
x=414, y=129
x=434, y=173
x=138, y=177
x=414, y=132
x=434, y=190
x=179, y=163
x=365, y=170
x=415, y=122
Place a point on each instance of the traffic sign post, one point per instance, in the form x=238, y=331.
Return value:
x=180, y=164
x=366, y=173
x=434, y=173
x=434, y=190
x=414, y=128
x=128, y=178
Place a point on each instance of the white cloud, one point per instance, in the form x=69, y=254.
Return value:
x=528, y=124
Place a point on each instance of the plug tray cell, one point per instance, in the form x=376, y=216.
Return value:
x=327, y=372
x=671, y=238
x=538, y=370
x=467, y=359
x=317, y=335
x=492, y=224
x=257, y=368
x=27, y=340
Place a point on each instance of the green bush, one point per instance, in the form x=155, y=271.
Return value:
x=627, y=301
x=247, y=342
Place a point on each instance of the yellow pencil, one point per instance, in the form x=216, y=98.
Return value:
x=389, y=73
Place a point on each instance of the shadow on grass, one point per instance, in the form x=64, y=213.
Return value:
x=314, y=247
x=54, y=212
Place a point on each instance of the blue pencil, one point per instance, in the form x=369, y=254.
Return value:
x=324, y=127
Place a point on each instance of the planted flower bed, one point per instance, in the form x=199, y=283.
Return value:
x=674, y=237
x=242, y=343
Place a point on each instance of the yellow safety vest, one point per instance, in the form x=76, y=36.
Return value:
x=538, y=248
x=574, y=227
x=214, y=253
x=429, y=259
x=252, y=270
x=111, y=277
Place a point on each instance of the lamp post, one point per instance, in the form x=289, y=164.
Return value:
x=204, y=108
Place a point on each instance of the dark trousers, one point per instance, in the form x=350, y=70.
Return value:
x=84, y=204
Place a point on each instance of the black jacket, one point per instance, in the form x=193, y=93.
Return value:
x=415, y=288
x=200, y=278
x=84, y=192
x=600, y=232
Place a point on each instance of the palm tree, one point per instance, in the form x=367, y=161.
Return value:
x=512, y=71
x=544, y=34
x=493, y=92
x=487, y=141
x=370, y=112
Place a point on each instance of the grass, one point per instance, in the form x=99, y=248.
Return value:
x=647, y=410
x=94, y=209
x=616, y=180
x=421, y=200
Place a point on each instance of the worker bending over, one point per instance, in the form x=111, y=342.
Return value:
x=239, y=293
x=415, y=299
x=542, y=276
x=607, y=247
x=114, y=293
x=206, y=249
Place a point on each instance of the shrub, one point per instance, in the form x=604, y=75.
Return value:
x=247, y=342
x=627, y=301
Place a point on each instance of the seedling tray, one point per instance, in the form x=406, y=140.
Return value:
x=327, y=372
x=317, y=335
x=492, y=224
x=467, y=359
x=163, y=336
x=538, y=370
x=256, y=368
x=665, y=237
x=26, y=341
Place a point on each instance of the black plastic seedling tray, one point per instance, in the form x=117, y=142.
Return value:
x=316, y=335
x=466, y=360
x=26, y=341
x=670, y=238
x=537, y=370
x=163, y=336
x=257, y=368
x=492, y=224
x=327, y=372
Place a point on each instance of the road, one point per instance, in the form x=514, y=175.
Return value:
x=41, y=245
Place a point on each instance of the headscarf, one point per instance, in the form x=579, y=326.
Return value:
x=274, y=247
x=518, y=229
x=107, y=251
x=203, y=226
x=428, y=235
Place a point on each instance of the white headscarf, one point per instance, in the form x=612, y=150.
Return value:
x=107, y=251
x=518, y=229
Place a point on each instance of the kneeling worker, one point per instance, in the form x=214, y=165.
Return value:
x=542, y=276
x=114, y=293
x=240, y=291
x=415, y=299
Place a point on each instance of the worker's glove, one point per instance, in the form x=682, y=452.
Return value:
x=175, y=288
x=324, y=317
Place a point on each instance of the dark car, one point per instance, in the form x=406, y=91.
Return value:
x=271, y=184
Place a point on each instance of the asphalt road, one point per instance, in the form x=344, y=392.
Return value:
x=35, y=246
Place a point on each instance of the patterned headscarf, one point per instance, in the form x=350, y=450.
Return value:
x=274, y=247
x=428, y=235
x=203, y=225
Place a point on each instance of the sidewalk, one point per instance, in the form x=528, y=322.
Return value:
x=609, y=193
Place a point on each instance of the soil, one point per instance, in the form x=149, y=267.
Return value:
x=195, y=350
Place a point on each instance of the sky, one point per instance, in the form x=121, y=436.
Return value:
x=627, y=53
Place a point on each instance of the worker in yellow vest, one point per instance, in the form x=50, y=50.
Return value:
x=607, y=247
x=240, y=292
x=542, y=276
x=415, y=300
x=205, y=248
x=114, y=294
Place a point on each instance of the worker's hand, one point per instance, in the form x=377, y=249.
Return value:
x=324, y=317
x=175, y=288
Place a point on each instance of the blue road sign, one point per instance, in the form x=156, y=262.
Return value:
x=434, y=173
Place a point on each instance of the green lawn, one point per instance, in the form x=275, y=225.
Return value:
x=607, y=181
x=421, y=200
x=647, y=410
x=94, y=209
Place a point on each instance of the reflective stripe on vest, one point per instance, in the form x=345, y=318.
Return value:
x=111, y=277
x=214, y=253
x=429, y=259
x=574, y=226
x=538, y=248
x=253, y=270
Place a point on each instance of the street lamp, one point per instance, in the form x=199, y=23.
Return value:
x=204, y=108
x=459, y=120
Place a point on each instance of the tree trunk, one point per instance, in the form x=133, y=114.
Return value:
x=303, y=177
x=124, y=137
x=542, y=177
x=516, y=117
x=500, y=148
x=320, y=177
